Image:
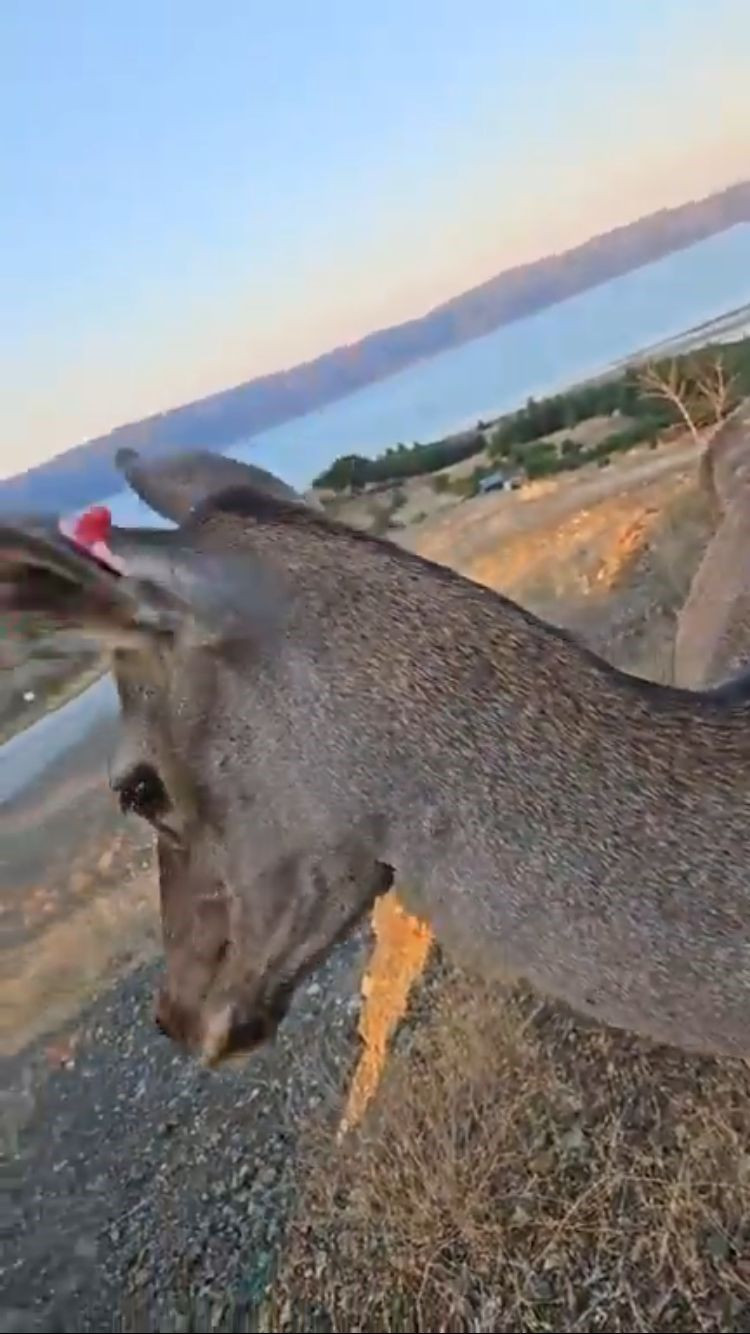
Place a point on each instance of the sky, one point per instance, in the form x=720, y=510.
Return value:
x=192, y=194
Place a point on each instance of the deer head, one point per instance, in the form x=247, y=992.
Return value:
x=254, y=887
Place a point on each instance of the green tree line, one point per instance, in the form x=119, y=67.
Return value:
x=519, y=437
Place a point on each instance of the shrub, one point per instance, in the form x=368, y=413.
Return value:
x=542, y=460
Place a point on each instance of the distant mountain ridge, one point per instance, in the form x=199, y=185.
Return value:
x=86, y=471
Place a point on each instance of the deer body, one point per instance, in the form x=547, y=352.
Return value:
x=549, y=815
x=311, y=711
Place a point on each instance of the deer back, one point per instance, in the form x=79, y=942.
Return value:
x=713, y=630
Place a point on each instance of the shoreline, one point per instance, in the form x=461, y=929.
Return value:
x=63, y=692
x=688, y=340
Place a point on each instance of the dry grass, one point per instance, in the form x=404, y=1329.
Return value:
x=521, y=1171
x=591, y=431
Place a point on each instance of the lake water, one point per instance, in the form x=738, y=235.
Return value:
x=494, y=374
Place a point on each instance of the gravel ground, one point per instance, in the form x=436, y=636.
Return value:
x=142, y=1186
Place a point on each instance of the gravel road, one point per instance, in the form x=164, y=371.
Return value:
x=140, y=1184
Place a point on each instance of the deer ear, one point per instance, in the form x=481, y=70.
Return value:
x=44, y=574
x=140, y=582
x=174, y=486
x=220, y=596
x=47, y=575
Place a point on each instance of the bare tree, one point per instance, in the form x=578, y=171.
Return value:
x=673, y=384
x=716, y=387
x=701, y=391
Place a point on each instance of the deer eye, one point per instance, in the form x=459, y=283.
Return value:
x=142, y=792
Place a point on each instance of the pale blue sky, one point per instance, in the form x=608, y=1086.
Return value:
x=193, y=193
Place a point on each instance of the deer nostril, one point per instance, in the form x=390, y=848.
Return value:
x=164, y=1018
x=175, y=1020
x=142, y=792
x=160, y=1018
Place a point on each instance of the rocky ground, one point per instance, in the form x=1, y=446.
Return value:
x=143, y=1188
